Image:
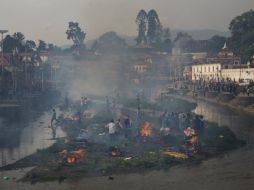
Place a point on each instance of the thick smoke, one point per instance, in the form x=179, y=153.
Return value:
x=90, y=78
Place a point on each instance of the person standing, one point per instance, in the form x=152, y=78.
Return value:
x=53, y=118
x=127, y=127
x=111, y=129
x=139, y=116
x=118, y=126
x=53, y=128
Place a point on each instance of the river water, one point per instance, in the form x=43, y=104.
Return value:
x=26, y=138
x=232, y=171
x=241, y=123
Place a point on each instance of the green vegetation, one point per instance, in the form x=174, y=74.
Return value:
x=242, y=30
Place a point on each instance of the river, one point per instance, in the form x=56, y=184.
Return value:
x=232, y=171
x=25, y=138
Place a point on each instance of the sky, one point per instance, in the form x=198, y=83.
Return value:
x=48, y=19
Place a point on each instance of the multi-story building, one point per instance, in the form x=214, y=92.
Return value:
x=223, y=66
x=209, y=71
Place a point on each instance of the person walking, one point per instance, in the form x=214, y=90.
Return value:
x=111, y=129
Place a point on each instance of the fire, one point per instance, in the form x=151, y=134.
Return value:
x=76, y=156
x=194, y=139
x=114, y=153
x=146, y=129
x=71, y=160
x=177, y=155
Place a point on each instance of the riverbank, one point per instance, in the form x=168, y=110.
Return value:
x=29, y=131
x=237, y=103
x=132, y=155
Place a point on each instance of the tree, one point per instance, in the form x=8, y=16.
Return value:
x=19, y=38
x=215, y=43
x=242, y=30
x=166, y=34
x=164, y=42
x=30, y=46
x=9, y=44
x=54, y=49
x=42, y=46
x=159, y=33
x=141, y=21
x=153, y=26
x=94, y=45
x=75, y=33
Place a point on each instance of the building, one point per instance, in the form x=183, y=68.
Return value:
x=223, y=66
x=142, y=66
x=238, y=74
x=226, y=58
x=206, y=72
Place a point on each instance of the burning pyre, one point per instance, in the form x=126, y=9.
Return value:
x=75, y=156
x=114, y=152
x=177, y=155
x=146, y=130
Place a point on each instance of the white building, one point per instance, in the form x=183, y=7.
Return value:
x=223, y=66
x=210, y=71
x=215, y=71
x=140, y=68
x=245, y=74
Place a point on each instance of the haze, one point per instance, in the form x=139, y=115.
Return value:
x=48, y=19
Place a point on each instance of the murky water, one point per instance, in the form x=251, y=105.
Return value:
x=26, y=141
x=240, y=123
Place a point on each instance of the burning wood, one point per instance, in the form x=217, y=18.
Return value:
x=75, y=156
x=177, y=155
x=71, y=160
x=114, y=152
x=127, y=158
x=146, y=130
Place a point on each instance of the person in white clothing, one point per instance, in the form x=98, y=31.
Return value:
x=111, y=129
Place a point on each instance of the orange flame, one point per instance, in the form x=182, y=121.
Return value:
x=71, y=160
x=75, y=156
x=114, y=153
x=146, y=129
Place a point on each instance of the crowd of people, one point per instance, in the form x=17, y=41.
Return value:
x=181, y=121
x=122, y=125
x=215, y=86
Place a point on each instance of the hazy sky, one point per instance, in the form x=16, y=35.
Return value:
x=48, y=19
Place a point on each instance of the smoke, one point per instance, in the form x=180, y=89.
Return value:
x=91, y=78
